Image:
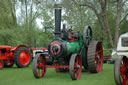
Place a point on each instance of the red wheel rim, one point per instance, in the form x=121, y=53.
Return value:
x=24, y=58
x=124, y=71
x=41, y=68
x=1, y=64
x=99, y=57
x=78, y=67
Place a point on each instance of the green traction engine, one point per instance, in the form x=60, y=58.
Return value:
x=71, y=50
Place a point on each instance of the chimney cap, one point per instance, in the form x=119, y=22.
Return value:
x=58, y=4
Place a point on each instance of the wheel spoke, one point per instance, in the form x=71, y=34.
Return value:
x=38, y=71
x=123, y=71
x=98, y=57
x=98, y=52
x=124, y=80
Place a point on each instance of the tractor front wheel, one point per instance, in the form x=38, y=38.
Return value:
x=95, y=57
x=121, y=70
x=23, y=57
x=38, y=67
x=1, y=64
x=75, y=67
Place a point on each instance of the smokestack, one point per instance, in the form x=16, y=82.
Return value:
x=58, y=8
x=34, y=42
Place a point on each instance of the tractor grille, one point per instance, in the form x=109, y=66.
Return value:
x=125, y=41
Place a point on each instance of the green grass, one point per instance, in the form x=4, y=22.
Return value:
x=24, y=76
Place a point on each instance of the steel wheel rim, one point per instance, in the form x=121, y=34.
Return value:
x=99, y=58
x=24, y=58
x=124, y=71
x=41, y=69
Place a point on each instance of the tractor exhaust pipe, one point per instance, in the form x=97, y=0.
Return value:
x=57, y=20
x=34, y=42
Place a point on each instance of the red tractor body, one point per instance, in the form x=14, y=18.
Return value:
x=6, y=53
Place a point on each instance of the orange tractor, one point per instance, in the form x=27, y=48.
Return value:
x=20, y=55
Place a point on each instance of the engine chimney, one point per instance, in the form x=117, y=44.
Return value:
x=57, y=20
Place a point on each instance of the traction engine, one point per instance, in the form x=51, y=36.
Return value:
x=70, y=51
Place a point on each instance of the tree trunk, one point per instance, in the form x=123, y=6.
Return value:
x=26, y=10
x=117, y=22
x=106, y=28
x=104, y=24
x=102, y=17
x=12, y=4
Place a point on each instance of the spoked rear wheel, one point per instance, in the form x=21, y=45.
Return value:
x=121, y=70
x=95, y=57
x=75, y=67
x=1, y=64
x=38, y=67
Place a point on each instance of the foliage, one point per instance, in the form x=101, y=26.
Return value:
x=18, y=21
x=26, y=31
x=124, y=27
x=21, y=36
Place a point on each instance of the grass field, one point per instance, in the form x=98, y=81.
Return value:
x=24, y=76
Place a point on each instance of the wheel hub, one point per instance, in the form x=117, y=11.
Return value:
x=78, y=66
x=24, y=58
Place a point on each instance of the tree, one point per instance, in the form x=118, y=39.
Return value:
x=7, y=14
x=119, y=18
x=99, y=7
x=101, y=13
